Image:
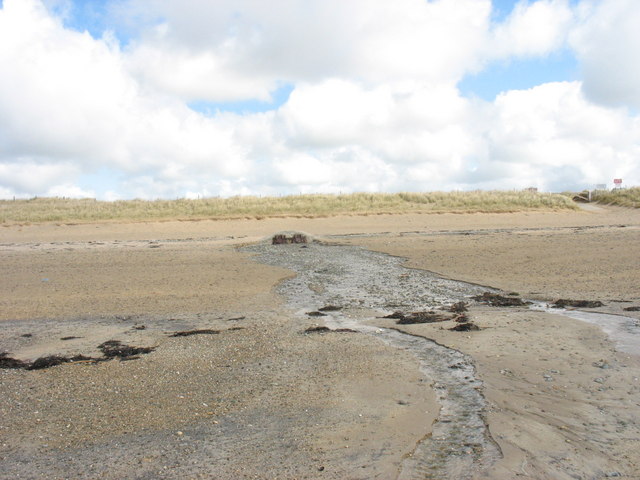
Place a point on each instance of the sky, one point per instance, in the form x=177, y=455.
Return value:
x=157, y=99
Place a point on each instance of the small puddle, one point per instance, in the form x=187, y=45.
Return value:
x=361, y=281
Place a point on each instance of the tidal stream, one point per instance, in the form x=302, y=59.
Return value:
x=365, y=284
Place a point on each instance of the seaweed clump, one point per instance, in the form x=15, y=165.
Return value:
x=497, y=300
x=7, y=362
x=328, y=330
x=188, y=333
x=563, y=303
x=114, y=348
x=465, y=327
x=418, y=317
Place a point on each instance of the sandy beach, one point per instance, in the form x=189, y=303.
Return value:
x=255, y=396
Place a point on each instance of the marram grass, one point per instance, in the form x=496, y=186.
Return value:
x=625, y=197
x=62, y=210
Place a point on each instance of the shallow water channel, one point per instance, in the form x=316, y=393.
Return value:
x=366, y=284
x=623, y=331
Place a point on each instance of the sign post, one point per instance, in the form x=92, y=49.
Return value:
x=617, y=182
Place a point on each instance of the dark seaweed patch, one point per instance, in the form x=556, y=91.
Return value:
x=632, y=309
x=327, y=330
x=46, y=362
x=563, y=303
x=316, y=314
x=110, y=349
x=43, y=362
x=69, y=338
x=458, y=307
x=330, y=308
x=317, y=330
x=114, y=348
x=188, y=333
x=53, y=360
x=418, y=317
x=496, y=300
x=465, y=327
x=8, y=362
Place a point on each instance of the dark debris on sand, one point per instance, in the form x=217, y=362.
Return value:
x=7, y=362
x=497, y=300
x=281, y=239
x=330, y=308
x=328, y=330
x=110, y=349
x=53, y=360
x=563, y=303
x=632, y=309
x=418, y=317
x=465, y=327
x=458, y=307
x=188, y=333
x=461, y=318
x=114, y=348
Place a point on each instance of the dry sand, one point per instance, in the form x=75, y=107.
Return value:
x=266, y=401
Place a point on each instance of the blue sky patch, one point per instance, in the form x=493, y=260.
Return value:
x=210, y=109
x=100, y=181
x=520, y=75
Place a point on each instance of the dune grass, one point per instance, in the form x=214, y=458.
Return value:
x=38, y=210
x=625, y=197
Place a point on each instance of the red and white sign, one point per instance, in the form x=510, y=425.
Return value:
x=617, y=181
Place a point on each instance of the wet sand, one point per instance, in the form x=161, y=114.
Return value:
x=266, y=400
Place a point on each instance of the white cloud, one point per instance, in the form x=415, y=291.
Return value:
x=335, y=112
x=25, y=175
x=532, y=29
x=553, y=130
x=374, y=105
x=229, y=50
x=607, y=41
x=195, y=75
x=69, y=190
x=66, y=98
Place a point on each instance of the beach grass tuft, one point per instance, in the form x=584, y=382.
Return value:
x=624, y=197
x=65, y=210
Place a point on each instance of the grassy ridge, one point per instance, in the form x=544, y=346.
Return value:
x=89, y=210
x=627, y=197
